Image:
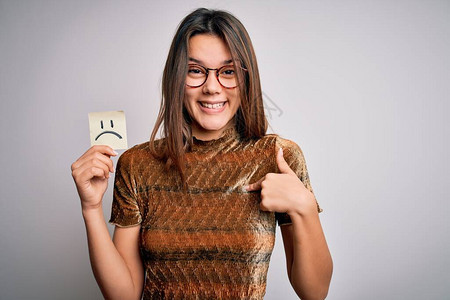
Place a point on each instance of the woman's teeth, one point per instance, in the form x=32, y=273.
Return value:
x=215, y=105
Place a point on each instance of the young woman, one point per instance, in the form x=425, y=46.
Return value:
x=195, y=212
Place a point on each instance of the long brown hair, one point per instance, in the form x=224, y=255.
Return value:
x=250, y=120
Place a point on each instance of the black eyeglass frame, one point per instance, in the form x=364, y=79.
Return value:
x=217, y=75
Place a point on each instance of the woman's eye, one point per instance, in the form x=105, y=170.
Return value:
x=195, y=71
x=228, y=72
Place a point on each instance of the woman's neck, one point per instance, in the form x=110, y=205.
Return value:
x=208, y=135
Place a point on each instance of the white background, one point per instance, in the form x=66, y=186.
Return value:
x=362, y=87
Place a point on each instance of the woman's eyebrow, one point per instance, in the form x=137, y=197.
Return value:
x=200, y=62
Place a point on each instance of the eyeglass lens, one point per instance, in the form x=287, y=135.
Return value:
x=197, y=76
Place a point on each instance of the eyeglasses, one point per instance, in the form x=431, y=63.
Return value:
x=226, y=76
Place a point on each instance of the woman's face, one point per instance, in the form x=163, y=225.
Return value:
x=211, y=106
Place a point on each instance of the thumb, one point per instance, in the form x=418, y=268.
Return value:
x=283, y=166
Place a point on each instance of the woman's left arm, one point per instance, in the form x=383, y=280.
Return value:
x=308, y=260
x=309, y=263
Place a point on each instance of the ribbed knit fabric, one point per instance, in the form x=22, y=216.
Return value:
x=210, y=241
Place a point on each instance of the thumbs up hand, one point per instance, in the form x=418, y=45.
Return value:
x=284, y=191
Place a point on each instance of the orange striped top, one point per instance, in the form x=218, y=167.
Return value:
x=211, y=240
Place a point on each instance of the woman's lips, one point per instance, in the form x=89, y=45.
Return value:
x=212, y=108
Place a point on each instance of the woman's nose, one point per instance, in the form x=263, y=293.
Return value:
x=212, y=85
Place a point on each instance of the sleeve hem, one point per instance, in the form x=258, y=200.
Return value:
x=123, y=225
x=283, y=224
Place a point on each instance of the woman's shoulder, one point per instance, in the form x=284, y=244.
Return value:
x=271, y=143
x=140, y=152
x=292, y=152
x=278, y=141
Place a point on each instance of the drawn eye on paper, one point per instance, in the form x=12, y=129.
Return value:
x=108, y=128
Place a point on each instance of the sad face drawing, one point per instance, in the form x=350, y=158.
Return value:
x=108, y=128
x=108, y=131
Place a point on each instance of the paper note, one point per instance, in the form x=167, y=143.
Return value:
x=108, y=128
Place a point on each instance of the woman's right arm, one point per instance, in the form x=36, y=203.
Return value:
x=116, y=264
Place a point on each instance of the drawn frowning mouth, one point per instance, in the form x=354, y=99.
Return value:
x=111, y=132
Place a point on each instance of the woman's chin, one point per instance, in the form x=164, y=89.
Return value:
x=212, y=126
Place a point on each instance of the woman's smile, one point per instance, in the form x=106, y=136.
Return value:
x=212, y=107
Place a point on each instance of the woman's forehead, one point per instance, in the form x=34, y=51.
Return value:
x=208, y=49
x=200, y=62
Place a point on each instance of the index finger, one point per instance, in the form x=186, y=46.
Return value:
x=101, y=149
x=104, y=149
x=254, y=186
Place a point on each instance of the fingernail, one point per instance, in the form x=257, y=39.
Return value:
x=115, y=153
x=281, y=151
x=246, y=187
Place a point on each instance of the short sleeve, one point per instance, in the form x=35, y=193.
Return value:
x=296, y=161
x=125, y=209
